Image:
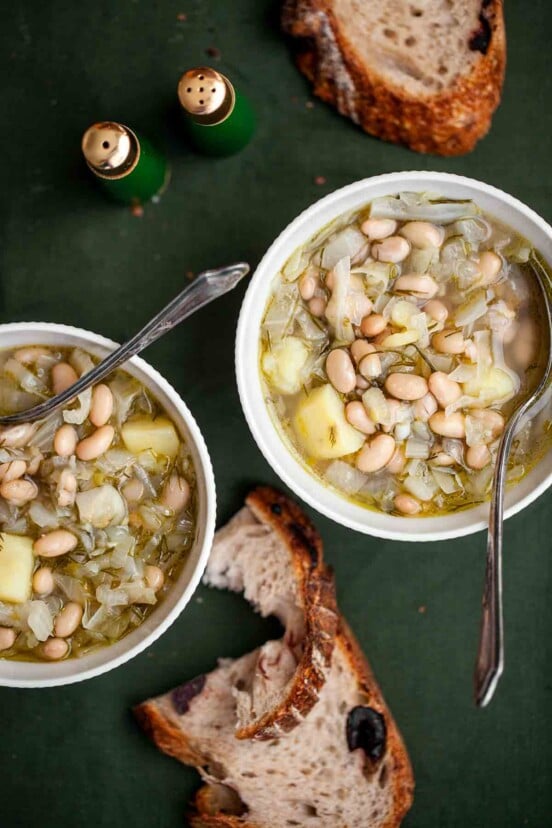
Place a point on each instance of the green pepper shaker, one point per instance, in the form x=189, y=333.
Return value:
x=128, y=167
x=218, y=119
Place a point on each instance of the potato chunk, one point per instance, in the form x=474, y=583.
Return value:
x=284, y=364
x=143, y=433
x=321, y=427
x=492, y=386
x=16, y=568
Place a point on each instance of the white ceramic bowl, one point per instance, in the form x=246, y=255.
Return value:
x=321, y=497
x=36, y=674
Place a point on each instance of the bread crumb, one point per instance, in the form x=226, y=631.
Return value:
x=137, y=210
x=309, y=104
x=189, y=274
x=181, y=17
x=199, y=599
x=213, y=52
x=320, y=180
x=422, y=609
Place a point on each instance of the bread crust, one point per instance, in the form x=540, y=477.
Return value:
x=171, y=740
x=316, y=583
x=445, y=123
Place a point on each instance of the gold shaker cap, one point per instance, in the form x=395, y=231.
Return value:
x=110, y=149
x=206, y=95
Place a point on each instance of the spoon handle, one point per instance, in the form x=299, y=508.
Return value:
x=207, y=286
x=490, y=656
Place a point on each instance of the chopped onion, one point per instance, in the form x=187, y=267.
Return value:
x=26, y=379
x=454, y=448
x=40, y=620
x=417, y=449
x=423, y=487
x=345, y=477
x=474, y=308
x=43, y=516
x=418, y=207
x=279, y=318
x=345, y=244
x=78, y=415
x=337, y=308
x=101, y=506
x=376, y=405
x=447, y=482
x=295, y=265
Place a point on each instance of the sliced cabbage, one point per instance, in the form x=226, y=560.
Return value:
x=345, y=477
x=295, y=265
x=279, y=317
x=337, y=310
x=101, y=506
x=39, y=620
x=346, y=243
x=421, y=207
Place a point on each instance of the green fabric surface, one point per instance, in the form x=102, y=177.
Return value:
x=73, y=756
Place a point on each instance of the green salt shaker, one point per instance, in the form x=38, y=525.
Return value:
x=218, y=120
x=128, y=167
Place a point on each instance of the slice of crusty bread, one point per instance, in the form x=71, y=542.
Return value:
x=343, y=765
x=272, y=553
x=425, y=73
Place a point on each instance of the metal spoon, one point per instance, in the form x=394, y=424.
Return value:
x=490, y=656
x=207, y=286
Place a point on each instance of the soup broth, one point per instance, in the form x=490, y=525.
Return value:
x=97, y=508
x=394, y=346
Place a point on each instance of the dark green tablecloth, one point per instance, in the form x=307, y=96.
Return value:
x=73, y=756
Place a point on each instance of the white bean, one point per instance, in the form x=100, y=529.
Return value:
x=176, y=493
x=477, y=457
x=53, y=649
x=65, y=440
x=43, y=581
x=12, y=470
x=406, y=386
x=307, y=285
x=524, y=349
x=376, y=454
x=358, y=417
x=407, y=504
x=361, y=383
x=373, y=325
x=17, y=436
x=63, y=376
x=101, y=408
x=133, y=491
x=397, y=462
x=95, y=445
x=370, y=366
x=437, y=310
x=68, y=619
x=451, y=426
x=490, y=265
x=33, y=464
x=7, y=638
x=360, y=348
x=425, y=407
x=393, y=249
x=55, y=543
x=18, y=492
x=154, y=577
x=340, y=370
x=448, y=342
x=492, y=421
x=445, y=390
x=317, y=306
x=66, y=488
x=417, y=284
x=377, y=229
x=423, y=234
x=441, y=458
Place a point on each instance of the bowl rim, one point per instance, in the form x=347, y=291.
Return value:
x=137, y=643
x=308, y=487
